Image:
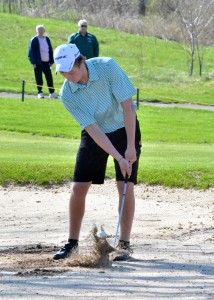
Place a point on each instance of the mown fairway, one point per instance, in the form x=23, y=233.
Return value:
x=39, y=140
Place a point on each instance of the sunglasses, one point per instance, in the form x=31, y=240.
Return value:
x=83, y=25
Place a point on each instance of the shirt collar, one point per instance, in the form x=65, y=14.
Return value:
x=93, y=76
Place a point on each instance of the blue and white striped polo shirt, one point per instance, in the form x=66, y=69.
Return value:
x=100, y=100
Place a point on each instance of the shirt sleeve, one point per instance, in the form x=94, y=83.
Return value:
x=121, y=86
x=31, y=52
x=71, y=38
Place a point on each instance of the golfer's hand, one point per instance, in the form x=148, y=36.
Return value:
x=126, y=163
x=130, y=154
x=125, y=167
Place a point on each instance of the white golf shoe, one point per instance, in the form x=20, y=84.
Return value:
x=40, y=95
x=53, y=96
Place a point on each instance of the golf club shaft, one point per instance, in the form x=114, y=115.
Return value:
x=121, y=208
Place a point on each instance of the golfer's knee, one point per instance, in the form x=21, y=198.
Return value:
x=79, y=189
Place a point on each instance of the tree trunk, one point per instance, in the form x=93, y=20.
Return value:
x=200, y=60
x=192, y=59
x=142, y=7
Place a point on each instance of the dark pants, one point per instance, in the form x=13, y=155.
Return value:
x=45, y=68
x=91, y=159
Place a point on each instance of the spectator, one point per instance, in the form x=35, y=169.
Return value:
x=98, y=94
x=40, y=54
x=86, y=42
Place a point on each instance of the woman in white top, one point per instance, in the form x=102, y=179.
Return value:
x=40, y=55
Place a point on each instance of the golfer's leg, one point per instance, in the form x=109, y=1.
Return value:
x=77, y=208
x=128, y=209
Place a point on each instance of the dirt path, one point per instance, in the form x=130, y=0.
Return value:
x=173, y=242
x=185, y=105
x=159, y=104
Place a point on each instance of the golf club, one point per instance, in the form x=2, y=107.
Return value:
x=121, y=209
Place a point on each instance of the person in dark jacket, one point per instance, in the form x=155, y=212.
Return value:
x=86, y=42
x=40, y=54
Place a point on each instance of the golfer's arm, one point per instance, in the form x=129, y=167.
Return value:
x=102, y=140
x=129, y=121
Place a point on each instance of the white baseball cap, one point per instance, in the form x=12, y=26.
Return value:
x=65, y=56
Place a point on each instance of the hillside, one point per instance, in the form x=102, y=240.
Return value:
x=157, y=67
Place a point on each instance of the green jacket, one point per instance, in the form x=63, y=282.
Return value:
x=88, y=44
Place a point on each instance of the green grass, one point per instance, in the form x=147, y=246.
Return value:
x=178, y=165
x=25, y=158
x=158, y=124
x=39, y=140
x=37, y=117
x=158, y=68
x=177, y=125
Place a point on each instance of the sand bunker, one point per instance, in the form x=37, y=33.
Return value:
x=37, y=259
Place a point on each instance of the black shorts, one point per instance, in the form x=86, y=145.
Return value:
x=91, y=159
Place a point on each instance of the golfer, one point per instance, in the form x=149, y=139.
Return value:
x=98, y=94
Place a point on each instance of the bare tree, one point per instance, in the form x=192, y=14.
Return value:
x=189, y=21
x=196, y=19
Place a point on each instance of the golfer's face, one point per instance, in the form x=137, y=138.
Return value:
x=75, y=75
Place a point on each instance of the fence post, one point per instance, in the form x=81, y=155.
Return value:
x=138, y=98
x=23, y=90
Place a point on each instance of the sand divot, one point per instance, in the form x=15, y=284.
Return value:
x=96, y=253
x=36, y=260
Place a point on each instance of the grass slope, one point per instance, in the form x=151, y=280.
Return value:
x=158, y=68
